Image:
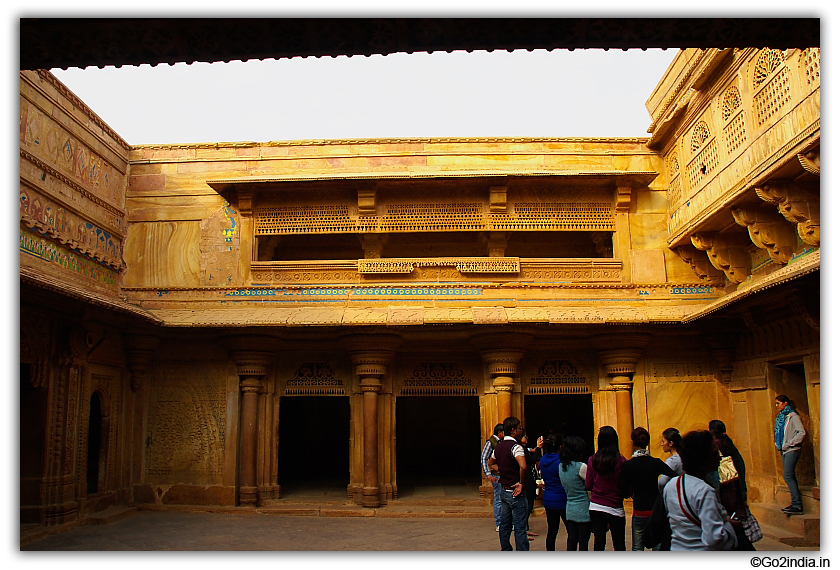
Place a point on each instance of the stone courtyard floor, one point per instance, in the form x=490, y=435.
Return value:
x=278, y=530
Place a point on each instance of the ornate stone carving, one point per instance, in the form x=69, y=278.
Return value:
x=438, y=378
x=768, y=232
x=797, y=205
x=187, y=420
x=464, y=264
x=700, y=264
x=727, y=254
x=558, y=377
x=315, y=378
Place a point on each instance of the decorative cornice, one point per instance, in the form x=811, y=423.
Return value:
x=45, y=75
x=408, y=140
x=71, y=183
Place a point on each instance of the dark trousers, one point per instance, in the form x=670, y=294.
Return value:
x=554, y=517
x=603, y=522
x=578, y=535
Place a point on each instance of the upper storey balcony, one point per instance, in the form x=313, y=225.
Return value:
x=739, y=131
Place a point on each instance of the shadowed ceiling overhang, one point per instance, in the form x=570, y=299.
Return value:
x=622, y=177
x=47, y=43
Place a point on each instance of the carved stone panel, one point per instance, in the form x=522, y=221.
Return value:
x=438, y=379
x=186, y=424
x=559, y=376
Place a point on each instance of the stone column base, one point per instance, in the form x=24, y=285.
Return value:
x=267, y=493
x=370, y=497
x=247, y=496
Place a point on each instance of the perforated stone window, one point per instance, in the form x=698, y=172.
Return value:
x=438, y=217
x=809, y=63
x=699, y=135
x=773, y=97
x=560, y=215
x=303, y=219
x=675, y=184
x=735, y=128
x=767, y=62
x=704, y=164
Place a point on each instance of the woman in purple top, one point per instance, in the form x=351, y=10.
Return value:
x=606, y=506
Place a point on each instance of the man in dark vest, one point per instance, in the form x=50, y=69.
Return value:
x=493, y=474
x=509, y=456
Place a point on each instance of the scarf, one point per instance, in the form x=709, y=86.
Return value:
x=780, y=426
x=641, y=453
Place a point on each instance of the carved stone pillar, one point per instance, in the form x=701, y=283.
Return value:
x=139, y=349
x=371, y=386
x=371, y=354
x=619, y=354
x=253, y=356
x=501, y=352
x=721, y=337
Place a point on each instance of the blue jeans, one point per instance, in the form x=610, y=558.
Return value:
x=790, y=459
x=638, y=532
x=514, y=513
x=497, y=502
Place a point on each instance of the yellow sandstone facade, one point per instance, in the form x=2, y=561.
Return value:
x=191, y=314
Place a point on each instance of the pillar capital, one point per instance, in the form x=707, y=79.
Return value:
x=371, y=349
x=252, y=354
x=370, y=384
x=139, y=349
x=503, y=384
x=514, y=339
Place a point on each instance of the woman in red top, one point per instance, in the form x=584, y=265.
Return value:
x=606, y=506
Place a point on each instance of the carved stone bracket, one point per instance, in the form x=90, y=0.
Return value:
x=498, y=199
x=797, y=205
x=623, y=196
x=501, y=352
x=367, y=201
x=700, y=264
x=139, y=349
x=768, y=232
x=726, y=254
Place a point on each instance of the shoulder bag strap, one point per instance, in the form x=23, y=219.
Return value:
x=681, y=494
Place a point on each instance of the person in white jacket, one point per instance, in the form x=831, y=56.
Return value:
x=698, y=520
x=789, y=433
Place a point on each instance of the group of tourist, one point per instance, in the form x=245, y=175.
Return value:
x=694, y=500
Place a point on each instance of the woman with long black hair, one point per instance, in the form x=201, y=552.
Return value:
x=573, y=478
x=733, y=494
x=789, y=434
x=606, y=506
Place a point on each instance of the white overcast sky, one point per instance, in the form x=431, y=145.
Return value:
x=581, y=93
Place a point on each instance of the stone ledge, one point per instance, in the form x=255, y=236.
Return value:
x=112, y=515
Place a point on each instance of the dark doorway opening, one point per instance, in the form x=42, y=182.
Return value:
x=33, y=436
x=314, y=446
x=94, y=444
x=795, y=387
x=439, y=442
x=567, y=414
